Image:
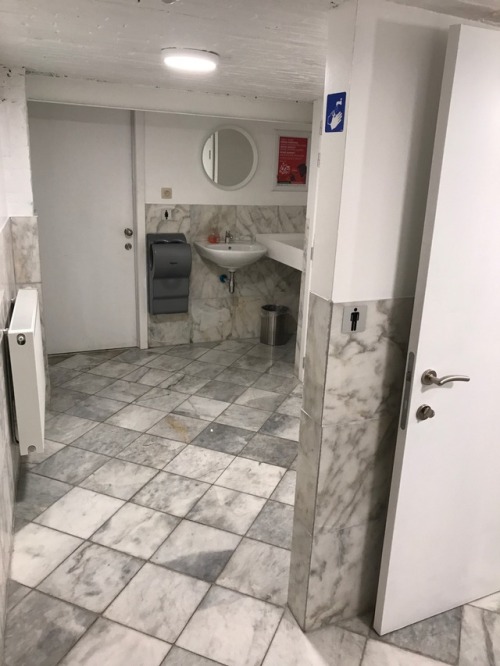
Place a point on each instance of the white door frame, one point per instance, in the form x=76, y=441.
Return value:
x=139, y=194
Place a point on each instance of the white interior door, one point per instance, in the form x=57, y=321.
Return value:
x=82, y=180
x=442, y=542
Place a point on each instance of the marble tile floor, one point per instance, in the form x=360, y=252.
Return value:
x=155, y=528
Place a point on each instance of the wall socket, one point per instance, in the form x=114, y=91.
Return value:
x=166, y=192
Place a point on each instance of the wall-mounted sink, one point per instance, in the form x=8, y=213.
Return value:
x=231, y=256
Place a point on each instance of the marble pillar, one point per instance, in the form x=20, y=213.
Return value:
x=352, y=392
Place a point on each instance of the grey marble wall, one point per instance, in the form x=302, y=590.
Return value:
x=8, y=452
x=27, y=272
x=352, y=393
x=214, y=313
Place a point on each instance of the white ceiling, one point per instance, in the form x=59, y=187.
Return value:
x=269, y=48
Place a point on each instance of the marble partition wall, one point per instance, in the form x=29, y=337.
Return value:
x=27, y=271
x=352, y=393
x=8, y=452
x=215, y=314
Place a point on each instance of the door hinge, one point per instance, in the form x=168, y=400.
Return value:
x=319, y=159
x=312, y=253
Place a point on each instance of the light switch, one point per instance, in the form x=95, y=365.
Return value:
x=166, y=192
x=354, y=318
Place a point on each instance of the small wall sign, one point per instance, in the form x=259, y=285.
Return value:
x=354, y=318
x=335, y=112
x=292, y=161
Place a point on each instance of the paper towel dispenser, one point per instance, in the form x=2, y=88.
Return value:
x=169, y=267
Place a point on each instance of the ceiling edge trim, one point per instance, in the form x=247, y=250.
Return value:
x=85, y=92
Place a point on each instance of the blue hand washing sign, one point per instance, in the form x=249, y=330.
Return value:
x=335, y=112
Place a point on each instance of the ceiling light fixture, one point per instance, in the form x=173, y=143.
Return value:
x=190, y=60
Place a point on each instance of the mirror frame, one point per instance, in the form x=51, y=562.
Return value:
x=255, y=163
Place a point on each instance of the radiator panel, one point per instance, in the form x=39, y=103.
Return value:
x=28, y=371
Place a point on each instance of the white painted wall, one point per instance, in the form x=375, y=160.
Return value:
x=4, y=216
x=14, y=143
x=44, y=88
x=398, y=61
x=317, y=131
x=341, y=27
x=173, y=150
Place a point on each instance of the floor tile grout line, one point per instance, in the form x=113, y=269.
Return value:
x=164, y=469
x=101, y=617
x=78, y=485
x=192, y=522
x=379, y=639
x=86, y=542
x=243, y=594
x=274, y=636
x=240, y=454
x=131, y=500
x=241, y=536
x=59, y=661
x=89, y=541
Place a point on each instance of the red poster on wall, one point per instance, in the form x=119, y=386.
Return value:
x=292, y=160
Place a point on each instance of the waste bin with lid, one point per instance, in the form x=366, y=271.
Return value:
x=273, y=324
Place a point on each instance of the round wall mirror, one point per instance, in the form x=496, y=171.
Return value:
x=229, y=157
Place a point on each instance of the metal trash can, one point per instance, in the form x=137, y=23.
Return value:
x=273, y=324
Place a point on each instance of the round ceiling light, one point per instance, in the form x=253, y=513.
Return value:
x=190, y=60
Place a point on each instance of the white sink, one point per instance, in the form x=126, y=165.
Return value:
x=231, y=256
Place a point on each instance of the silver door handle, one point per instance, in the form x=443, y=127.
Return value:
x=430, y=377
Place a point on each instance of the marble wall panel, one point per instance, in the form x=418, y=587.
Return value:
x=352, y=394
x=214, y=314
x=8, y=451
x=318, y=340
x=205, y=219
x=178, y=221
x=174, y=329
x=251, y=220
x=205, y=282
x=26, y=249
x=344, y=573
x=304, y=516
x=291, y=219
x=27, y=271
x=212, y=318
x=366, y=370
x=355, y=473
x=246, y=317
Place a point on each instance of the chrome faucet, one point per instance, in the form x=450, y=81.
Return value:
x=228, y=237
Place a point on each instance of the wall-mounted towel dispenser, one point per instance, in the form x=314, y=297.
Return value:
x=169, y=267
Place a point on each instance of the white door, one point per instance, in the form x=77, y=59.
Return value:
x=82, y=180
x=442, y=542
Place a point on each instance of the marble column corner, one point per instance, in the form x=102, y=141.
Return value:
x=25, y=248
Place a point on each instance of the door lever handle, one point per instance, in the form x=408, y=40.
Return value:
x=430, y=377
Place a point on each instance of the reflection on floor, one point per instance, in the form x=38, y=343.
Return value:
x=155, y=529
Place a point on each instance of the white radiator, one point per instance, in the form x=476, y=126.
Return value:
x=28, y=371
